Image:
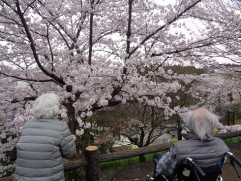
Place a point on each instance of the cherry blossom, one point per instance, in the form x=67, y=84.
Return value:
x=124, y=55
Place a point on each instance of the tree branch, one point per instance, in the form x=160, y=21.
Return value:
x=32, y=45
x=25, y=99
x=91, y=34
x=128, y=33
x=162, y=27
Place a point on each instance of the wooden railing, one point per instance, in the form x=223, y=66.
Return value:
x=92, y=158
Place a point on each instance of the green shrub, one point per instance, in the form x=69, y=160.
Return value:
x=233, y=140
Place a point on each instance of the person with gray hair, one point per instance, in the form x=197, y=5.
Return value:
x=199, y=144
x=46, y=106
x=202, y=123
x=43, y=143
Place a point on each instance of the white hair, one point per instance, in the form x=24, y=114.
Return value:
x=46, y=106
x=202, y=122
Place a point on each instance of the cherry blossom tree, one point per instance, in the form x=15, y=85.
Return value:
x=94, y=54
x=143, y=124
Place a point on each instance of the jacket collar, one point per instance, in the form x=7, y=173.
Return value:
x=191, y=136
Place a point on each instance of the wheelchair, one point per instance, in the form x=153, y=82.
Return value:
x=189, y=170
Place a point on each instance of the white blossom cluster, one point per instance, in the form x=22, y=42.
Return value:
x=224, y=128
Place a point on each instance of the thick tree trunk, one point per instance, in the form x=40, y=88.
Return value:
x=179, y=129
x=71, y=116
x=179, y=135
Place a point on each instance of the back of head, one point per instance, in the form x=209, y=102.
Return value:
x=202, y=123
x=46, y=106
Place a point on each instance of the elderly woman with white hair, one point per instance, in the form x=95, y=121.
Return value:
x=43, y=143
x=199, y=144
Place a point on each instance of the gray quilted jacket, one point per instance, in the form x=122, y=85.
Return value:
x=42, y=145
x=205, y=153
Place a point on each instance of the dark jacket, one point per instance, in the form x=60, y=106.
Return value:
x=42, y=145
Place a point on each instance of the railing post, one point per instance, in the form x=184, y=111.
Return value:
x=92, y=168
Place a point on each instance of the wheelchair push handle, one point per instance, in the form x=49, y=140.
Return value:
x=234, y=158
x=192, y=163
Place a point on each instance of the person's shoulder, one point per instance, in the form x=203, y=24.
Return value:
x=30, y=121
x=220, y=142
x=51, y=123
x=180, y=143
x=218, y=139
